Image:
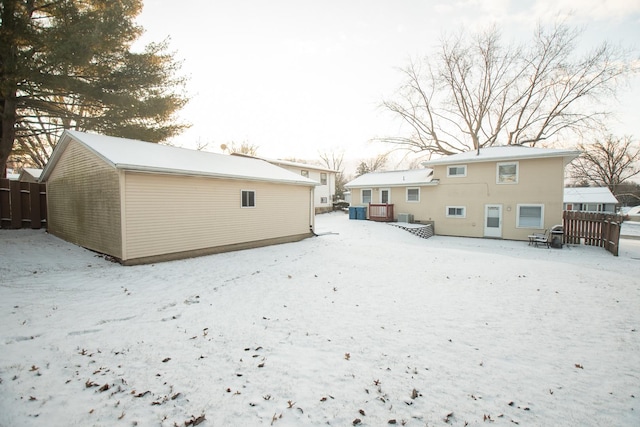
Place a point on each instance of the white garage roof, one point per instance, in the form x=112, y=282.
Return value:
x=140, y=156
x=589, y=195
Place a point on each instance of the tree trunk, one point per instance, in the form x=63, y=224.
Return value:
x=7, y=131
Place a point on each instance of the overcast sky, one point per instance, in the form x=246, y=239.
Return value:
x=295, y=77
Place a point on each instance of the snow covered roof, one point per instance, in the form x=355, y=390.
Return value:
x=281, y=162
x=34, y=172
x=589, y=195
x=504, y=153
x=394, y=179
x=134, y=155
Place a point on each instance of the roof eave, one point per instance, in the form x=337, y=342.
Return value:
x=568, y=156
x=182, y=172
x=404, y=184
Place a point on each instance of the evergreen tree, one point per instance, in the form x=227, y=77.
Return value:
x=69, y=64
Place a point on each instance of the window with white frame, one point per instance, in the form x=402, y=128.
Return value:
x=457, y=171
x=507, y=173
x=413, y=194
x=366, y=195
x=530, y=216
x=248, y=198
x=456, y=212
x=323, y=200
x=304, y=173
x=323, y=178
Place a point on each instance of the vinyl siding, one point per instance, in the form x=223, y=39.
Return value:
x=171, y=214
x=83, y=201
x=540, y=181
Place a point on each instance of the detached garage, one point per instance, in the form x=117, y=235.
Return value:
x=142, y=202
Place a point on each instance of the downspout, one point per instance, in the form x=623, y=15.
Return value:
x=312, y=213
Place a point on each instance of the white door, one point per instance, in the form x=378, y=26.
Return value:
x=493, y=221
x=385, y=195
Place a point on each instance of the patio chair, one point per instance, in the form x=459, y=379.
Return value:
x=540, y=239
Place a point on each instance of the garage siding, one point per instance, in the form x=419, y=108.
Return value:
x=83, y=200
x=171, y=214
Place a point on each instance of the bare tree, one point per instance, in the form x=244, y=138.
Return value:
x=372, y=165
x=243, y=148
x=476, y=92
x=610, y=162
x=333, y=160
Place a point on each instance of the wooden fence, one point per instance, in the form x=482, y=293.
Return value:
x=22, y=204
x=592, y=228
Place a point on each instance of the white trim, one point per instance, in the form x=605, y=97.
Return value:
x=388, y=190
x=462, y=215
x=507, y=182
x=538, y=226
x=493, y=229
x=362, y=190
x=407, y=194
x=242, y=199
x=462, y=175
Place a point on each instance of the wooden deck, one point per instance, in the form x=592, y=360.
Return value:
x=381, y=212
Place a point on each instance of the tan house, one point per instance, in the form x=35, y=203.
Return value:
x=141, y=202
x=405, y=190
x=505, y=192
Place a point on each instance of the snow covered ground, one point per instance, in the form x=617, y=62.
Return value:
x=363, y=325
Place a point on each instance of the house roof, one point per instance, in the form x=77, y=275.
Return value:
x=504, y=153
x=281, y=162
x=414, y=177
x=31, y=171
x=589, y=195
x=140, y=156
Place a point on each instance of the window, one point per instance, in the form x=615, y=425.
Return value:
x=457, y=171
x=323, y=178
x=456, y=212
x=323, y=200
x=413, y=194
x=248, y=198
x=304, y=173
x=366, y=196
x=507, y=173
x=530, y=216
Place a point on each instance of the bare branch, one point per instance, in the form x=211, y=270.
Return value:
x=477, y=92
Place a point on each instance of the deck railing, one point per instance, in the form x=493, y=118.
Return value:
x=381, y=212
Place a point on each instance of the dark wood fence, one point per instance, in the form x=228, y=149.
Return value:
x=594, y=229
x=22, y=204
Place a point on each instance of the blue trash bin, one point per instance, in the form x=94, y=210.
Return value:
x=361, y=212
x=352, y=212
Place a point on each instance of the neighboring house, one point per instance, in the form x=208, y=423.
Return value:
x=402, y=189
x=30, y=175
x=505, y=192
x=12, y=175
x=142, y=202
x=325, y=192
x=589, y=199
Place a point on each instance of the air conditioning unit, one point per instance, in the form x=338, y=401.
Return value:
x=405, y=217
